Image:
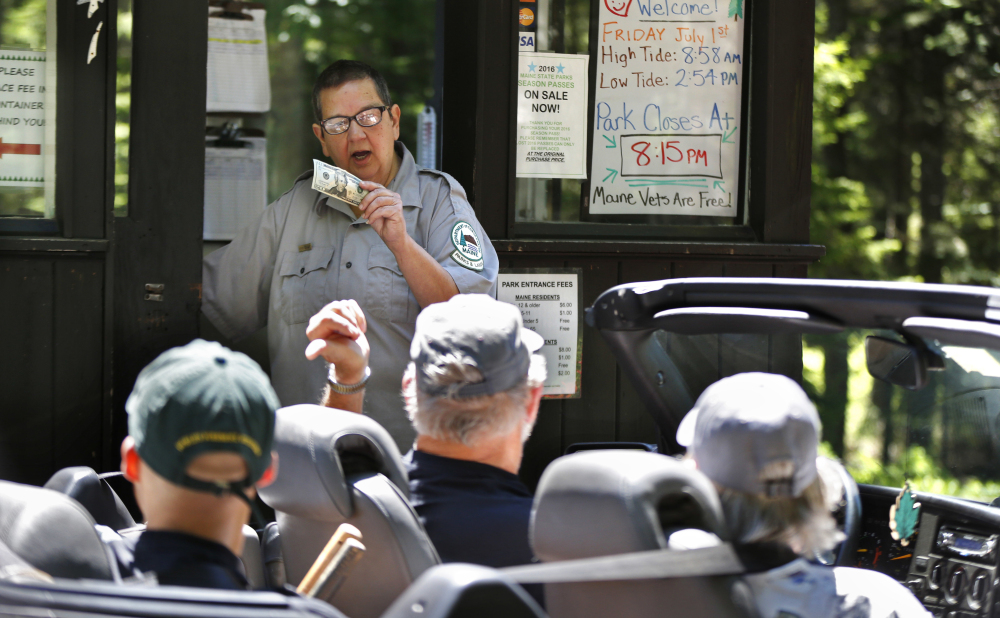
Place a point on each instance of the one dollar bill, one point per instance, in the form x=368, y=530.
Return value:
x=335, y=182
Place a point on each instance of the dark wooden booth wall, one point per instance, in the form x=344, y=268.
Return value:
x=54, y=374
x=609, y=409
x=76, y=327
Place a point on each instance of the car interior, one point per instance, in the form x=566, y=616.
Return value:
x=618, y=529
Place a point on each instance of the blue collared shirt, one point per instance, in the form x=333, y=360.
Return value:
x=472, y=512
x=177, y=559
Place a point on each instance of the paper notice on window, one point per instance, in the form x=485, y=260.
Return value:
x=238, y=76
x=22, y=118
x=549, y=302
x=235, y=187
x=667, y=108
x=552, y=115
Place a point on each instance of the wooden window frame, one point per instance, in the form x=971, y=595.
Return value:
x=84, y=145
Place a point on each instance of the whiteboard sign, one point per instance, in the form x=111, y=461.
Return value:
x=549, y=301
x=667, y=108
x=672, y=155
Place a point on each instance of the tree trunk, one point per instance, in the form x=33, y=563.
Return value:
x=932, y=179
x=881, y=398
x=833, y=405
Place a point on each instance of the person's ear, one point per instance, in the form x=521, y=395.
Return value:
x=318, y=132
x=534, y=401
x=130, y=459
x=271, y=473
x=395, y=112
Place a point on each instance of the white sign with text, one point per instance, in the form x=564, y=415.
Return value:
x=552, y=115
x=549, y=305
x=667, y=108
x=22, y=118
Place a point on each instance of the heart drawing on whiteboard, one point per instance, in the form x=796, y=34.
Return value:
x=618, y=7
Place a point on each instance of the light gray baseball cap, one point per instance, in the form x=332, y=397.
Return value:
x=756, y=433
x=484, y=333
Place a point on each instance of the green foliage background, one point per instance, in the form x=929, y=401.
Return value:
x=906, y=186
x=22, y=26
x=304, y=37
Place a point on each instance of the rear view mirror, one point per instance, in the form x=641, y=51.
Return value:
x=896, y=362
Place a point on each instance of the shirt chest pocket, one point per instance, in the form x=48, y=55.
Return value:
x=303, y=278
x=387, y=296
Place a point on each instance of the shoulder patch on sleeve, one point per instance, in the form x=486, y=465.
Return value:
x=468, y=248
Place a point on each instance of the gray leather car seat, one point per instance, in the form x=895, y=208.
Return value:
x=601, y=503
x=101, y=501
x=52, y=533
x=336, y=467
x=92, y=491
x=274, y=562
x=464, y=591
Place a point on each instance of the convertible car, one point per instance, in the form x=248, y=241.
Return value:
x=917, y=431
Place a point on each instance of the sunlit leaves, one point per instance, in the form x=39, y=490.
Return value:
x=305, y=36
x=24, y=24
x=898, y=84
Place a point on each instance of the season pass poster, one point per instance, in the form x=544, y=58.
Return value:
x=667, y=108
x=552, y=115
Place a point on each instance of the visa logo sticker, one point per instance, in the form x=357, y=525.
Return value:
x=526, y=41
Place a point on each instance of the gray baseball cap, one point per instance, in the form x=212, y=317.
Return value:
x=482, y=332
x=756, y=433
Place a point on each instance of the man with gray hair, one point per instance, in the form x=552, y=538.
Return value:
x=472, y=391
x=755, y=435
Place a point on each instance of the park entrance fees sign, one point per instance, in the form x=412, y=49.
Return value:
x=22, y=118
x=667, y=104
x=549, y=300
x=552, y=115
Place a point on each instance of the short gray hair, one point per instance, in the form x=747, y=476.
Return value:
x=343, y=71
x=467, y=420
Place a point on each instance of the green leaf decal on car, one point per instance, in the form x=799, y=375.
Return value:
x=904, y=515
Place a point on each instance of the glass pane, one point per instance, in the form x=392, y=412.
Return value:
x=563, y=27
x=704, y=179
x=943, y=438
x=123, y=106
x=397, y=38
x=27, y=108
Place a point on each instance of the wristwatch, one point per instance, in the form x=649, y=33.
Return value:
x=347, y=389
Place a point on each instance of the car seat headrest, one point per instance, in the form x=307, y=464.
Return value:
x=94, y=493
x=598, y=503
x=52, y=533
x=318, y=450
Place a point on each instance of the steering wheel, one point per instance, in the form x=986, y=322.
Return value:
x=848, y=515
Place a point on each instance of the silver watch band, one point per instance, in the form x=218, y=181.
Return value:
x=348, y=389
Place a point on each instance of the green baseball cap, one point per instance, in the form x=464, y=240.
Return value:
x=202, y=398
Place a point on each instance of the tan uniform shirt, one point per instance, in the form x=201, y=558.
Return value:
x=306, y=250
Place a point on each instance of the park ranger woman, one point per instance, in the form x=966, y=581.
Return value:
x=413, y=241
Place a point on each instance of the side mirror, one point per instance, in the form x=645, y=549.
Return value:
x=896, y=362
